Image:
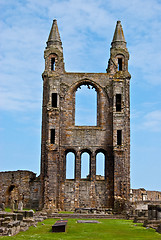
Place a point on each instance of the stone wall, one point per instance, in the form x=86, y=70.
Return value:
x=138, y=195
x=17, y=186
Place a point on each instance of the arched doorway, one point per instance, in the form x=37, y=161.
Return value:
x=12, y=196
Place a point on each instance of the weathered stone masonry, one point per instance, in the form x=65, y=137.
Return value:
x=19, y=186
x=60, y=135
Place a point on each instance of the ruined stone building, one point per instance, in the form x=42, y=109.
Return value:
x=17, y=186
x=61, y=135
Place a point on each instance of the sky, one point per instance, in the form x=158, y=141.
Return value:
x=86, y=28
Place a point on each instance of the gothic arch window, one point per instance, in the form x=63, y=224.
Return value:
x=85, y=165
x=86, y=105
x=70, y=165
x=51, y=62
x=100, y=166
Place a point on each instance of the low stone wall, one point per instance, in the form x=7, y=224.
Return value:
x=151, y=217
x=13, y=223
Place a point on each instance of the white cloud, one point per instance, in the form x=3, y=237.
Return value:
x=152, y=121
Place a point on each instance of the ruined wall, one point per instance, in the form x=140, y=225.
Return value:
x=60, y=134
x=141, y=198
x=16, y=186
x=144, y=195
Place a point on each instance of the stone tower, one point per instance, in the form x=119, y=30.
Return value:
x=110, y=136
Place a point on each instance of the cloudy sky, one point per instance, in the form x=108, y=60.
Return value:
x=86, y=28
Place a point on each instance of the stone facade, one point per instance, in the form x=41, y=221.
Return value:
x=140, y=198
x=60, y=135
x=138, y=195
x=19, y=186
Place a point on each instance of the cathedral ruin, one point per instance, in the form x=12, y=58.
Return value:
x=61, y=135
x=54, y=189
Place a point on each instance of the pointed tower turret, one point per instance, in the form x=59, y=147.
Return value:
x=54, y=36
x=53, y=53
x=118, y=38
x=119, y=54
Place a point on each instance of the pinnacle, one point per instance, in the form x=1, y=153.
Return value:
x=118, y=38
x=54, y=36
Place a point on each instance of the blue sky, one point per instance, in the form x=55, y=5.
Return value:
x=86, y=28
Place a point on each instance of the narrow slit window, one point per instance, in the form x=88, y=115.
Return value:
x=54, y=100
x=52, y=64
x=118, y=102
x=52, y=136
x=119, y=137
x=119, y=64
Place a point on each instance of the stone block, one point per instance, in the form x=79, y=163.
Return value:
x=29, y=214
x=5, y=223
x=19, y=216
x=7, y=219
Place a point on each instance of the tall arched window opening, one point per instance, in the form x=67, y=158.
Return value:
x=85, y=165
x=100, y=166
x=86, y=106
x=70, y=165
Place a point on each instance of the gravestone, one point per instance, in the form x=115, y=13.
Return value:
x=59, y=226
x=87, y=221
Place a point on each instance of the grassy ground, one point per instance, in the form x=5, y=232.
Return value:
x=107, y=229
x=10, y=210
x=68, y=212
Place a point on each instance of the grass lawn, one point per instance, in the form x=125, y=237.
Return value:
x=10, y=210
x=107, y=229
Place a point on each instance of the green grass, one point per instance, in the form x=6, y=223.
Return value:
x=8, y=210
x=107, y=229
x=67, y=212
x=25, y=209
